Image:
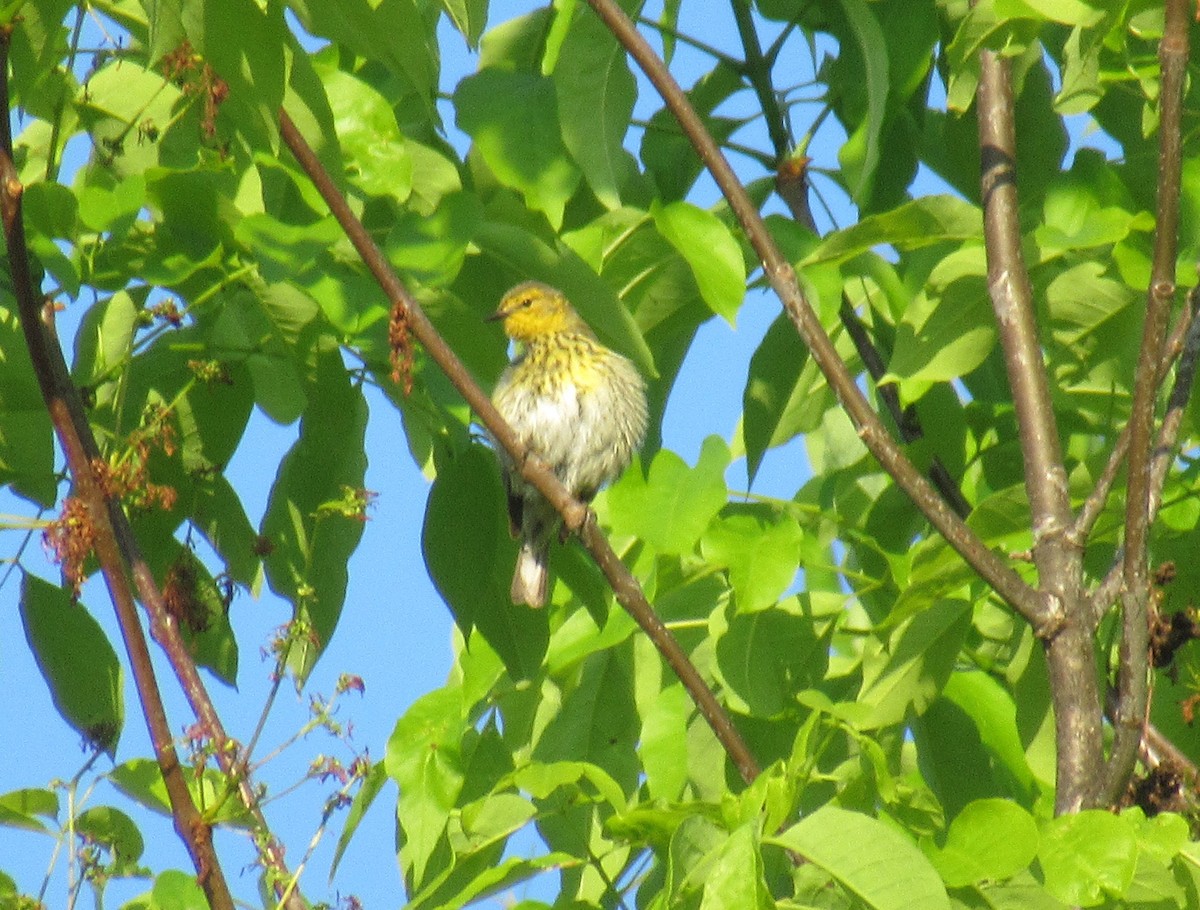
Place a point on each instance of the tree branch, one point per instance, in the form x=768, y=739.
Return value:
x=82, y=454
x=1133, y=672
x=791, y=182
x=1074, y=689
x=576, y=516
x=1042, y=612
x=1093, y=506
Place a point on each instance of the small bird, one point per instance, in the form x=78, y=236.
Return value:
x=575, y=404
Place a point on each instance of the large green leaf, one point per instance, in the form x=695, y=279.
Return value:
x=907, y=672
x=765, y=658
x=860, y=156
x=873, y=861
x=595, y=92
x=76, y=660
x=393, y=32
x=991, y=839
x=513, y=120
x=465, y=543
x=761, y=552
x=26, y=441
x=424, y=757
x=734, y=877
x=671, y=507
x=930, y=219
x=709, y=248
x=312, y=521
x=1089, y=856
x=375, y=155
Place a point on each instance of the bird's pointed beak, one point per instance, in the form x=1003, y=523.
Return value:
x=495, y=317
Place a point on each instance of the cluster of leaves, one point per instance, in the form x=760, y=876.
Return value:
x=901, y=711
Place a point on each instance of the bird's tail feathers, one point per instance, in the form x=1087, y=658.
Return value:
x=532, y=574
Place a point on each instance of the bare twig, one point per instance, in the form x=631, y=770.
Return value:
x=1133, y=672
x=1069, y=654
x=1093, y=506
x=66, y=414
x=1184, y=345
x=576, y=516
x=1042, y=612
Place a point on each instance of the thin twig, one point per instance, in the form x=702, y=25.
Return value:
x=70, y=425
x=1093, y=506
x=1133, y=672
x=758, y=71
x=576, y=516
x=1042, y=613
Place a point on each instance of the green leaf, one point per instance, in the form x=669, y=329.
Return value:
x=175, y=890
x=213, y=793
x=245, y=45
x=764, y=658
x=1088, y=856
x=512, y=119
x=860, y=156
x=20, y=808
x=924, y=221
x=597, y=723
x=1082, y=298
x=991, y=839
x=51, y=217
x=1068, y=12
x=873, y=861
x=907, y=674
x=465, y=543
x=375, y=155
x=779, y=401
x=669, y=158
x=115, y=830
x=469, y=17
x=424, y=758
x=761, y=552
x=595, y=92
x=26, y=438
x=311, y=544
x=948, y=330
x=671, y=508
x=710, y=249
x=76, y=660
x=367, y=791
x=392, y=32
x=662, y=744
x=430, y=247
x=735, y=878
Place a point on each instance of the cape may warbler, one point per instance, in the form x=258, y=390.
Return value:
x=578, y=406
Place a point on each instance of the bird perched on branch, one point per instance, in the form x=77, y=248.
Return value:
x=575, y=404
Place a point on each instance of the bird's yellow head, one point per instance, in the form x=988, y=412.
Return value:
x=534, y=310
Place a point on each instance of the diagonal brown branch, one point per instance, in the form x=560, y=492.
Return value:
x=1133, y=672
x=791, y=182
x=1043, y=613
x=576, y=516
x=67, y=416
x=124, y=560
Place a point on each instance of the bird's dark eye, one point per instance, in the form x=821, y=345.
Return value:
x=528, y=301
